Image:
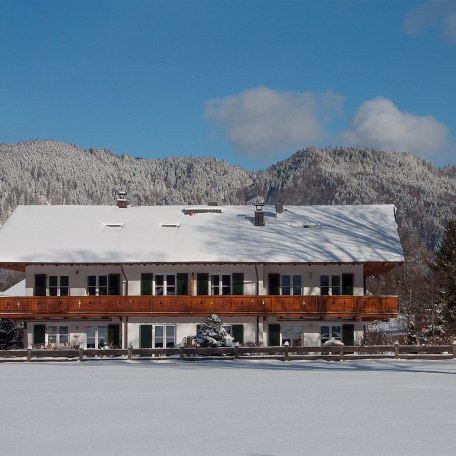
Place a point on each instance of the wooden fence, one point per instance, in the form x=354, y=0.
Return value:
x=334, y=353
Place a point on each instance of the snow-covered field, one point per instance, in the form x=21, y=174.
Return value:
x=376, y=407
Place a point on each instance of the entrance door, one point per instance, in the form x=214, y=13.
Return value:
x=274, y=335
x=145, y=336
x=348, y=335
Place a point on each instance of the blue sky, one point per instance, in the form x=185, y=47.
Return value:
x=249, y=82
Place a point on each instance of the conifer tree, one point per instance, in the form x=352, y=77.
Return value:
x=446, y=263
x=10, y=333
x=212, y=334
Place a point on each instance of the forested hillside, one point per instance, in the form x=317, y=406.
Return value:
x=51, y=172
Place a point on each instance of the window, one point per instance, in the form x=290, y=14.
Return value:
x=102, y=336
x=97, y=285
x=90, y=336
x=291, y=285
x=336, y=285
x=164, y=336
x=285, y=284
x=56, y=285
x=57, y=334
x=97, y=336
x=103, y=285
x=165, y=285
x=59, y=286
x=220, y=284
x=227, y=284
x=326, y=335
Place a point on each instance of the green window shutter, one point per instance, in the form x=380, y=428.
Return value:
x=40, y=286
x=238, y=283
x=274, y=284
x=146, y=283
x=348, y=281
x=145, y=336
x=237, y=331
x=202, y=284
x=182, y=284
x=114, y=284
x=39, y=334
x=273, y=335
x=114, y=335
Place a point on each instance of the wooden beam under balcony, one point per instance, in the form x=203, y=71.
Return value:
x=305, y=307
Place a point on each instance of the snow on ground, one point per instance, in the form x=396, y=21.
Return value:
x=267, y=408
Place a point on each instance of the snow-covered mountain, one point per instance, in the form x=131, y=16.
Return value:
x=51, y=172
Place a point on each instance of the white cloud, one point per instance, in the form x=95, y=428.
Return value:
x=379, y=123
x=440, y=13
x=263, y=121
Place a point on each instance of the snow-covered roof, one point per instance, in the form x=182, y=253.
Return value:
x=16, y=290
x=175, y=234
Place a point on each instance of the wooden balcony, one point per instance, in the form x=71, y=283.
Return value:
x=305, y=307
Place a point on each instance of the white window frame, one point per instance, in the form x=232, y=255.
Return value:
x=59, y=286
x=96, y=337
x=333, y=332
x=291, y=287
x=166, y=288
x=97, y=284
x=165, y=337
x=220, y=285
x=54, y=334
x=332, y=284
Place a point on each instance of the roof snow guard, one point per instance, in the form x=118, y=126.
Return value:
x=202, y=210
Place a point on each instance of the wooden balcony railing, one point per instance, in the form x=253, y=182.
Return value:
x=365, y=307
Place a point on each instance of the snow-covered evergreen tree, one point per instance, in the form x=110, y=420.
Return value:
x=212, y=334
x=411, y=334
x=10, y=333
x=446, y=263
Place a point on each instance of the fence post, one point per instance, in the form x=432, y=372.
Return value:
x=29, y=354
x=81, y=354
x=341, y=353
x=396, y=349
x=454, y=349
x=181, y=351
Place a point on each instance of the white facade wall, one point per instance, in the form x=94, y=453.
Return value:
x=130, y=275
x=306, y=331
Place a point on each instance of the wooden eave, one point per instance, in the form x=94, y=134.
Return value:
x=370, y=268
x=14, y=266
